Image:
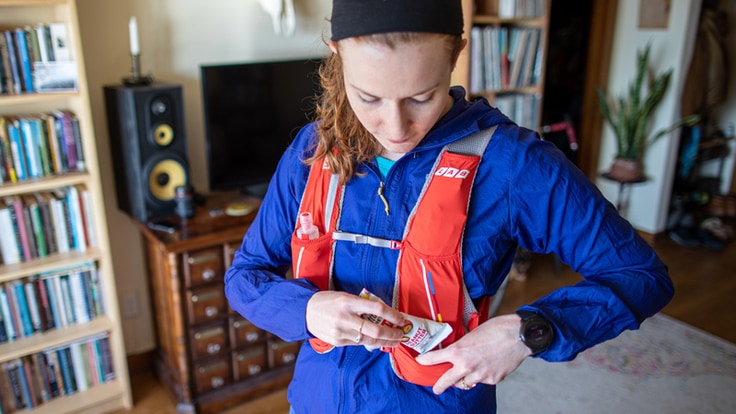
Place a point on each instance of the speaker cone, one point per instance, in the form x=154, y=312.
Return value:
x=163, y=177
x=163, y=134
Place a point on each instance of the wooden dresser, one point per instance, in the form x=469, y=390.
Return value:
x=208, y=356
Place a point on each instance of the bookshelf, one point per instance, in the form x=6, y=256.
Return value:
x=82, y=319
x=505, y=57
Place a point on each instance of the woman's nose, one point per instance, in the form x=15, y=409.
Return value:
x=396, y=121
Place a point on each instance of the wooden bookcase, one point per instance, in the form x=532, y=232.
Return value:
x=522, y=100
x=208, y=357
x=101, y=395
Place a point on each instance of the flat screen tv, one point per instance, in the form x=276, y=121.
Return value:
x=252, y=111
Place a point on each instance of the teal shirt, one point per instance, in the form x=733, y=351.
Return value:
x=384, y=164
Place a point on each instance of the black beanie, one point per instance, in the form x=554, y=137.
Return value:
x=352, y=18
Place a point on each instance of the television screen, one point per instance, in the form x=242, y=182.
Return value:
x=252, y=111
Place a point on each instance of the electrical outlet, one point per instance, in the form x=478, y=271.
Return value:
x=130, y=305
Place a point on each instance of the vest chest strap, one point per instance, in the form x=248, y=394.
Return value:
x=363, y=239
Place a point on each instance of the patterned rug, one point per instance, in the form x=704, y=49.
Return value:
x=664, y=367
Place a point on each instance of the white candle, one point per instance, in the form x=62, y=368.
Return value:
x=133, y=29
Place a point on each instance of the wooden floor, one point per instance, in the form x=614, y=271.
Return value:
x=705, y=288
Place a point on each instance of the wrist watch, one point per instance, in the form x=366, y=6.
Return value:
x=536, y=332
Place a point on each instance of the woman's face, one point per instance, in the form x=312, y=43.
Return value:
x=397, y=94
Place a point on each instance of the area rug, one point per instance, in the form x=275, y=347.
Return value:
x=664, y=367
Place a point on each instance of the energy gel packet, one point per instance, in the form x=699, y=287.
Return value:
x=420, y=334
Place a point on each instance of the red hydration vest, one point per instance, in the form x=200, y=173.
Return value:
x=430, y=258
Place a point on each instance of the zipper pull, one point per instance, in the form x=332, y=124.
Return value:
x=385, y=202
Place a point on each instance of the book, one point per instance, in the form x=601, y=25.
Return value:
x=66, y=132
x=78, y=363
x=24, y=59
x=9, y=246
x=79, y=295
x=60, y=41
x=14, y=64
x=16, y=148
x=19, y=303
x=40, y=377
x=47, y=316
x=12, y=208
x=43, y=31
x=32, y=393
x=67, y=371
x=6, y=79
x=59, y=217
x=8, y=318
x=77, y=221
x=31, y=149
x=66, y=298
x=49, y=126
x=85, y=201
x=34, y=308
x=54, y=372
x=8, y=160
x=16, y=389
x=43, y=199
x=26, y=221
x=33, y=213
x=7, y=402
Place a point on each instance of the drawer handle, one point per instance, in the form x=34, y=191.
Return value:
x=288, y=357
x=206, y=296
x=211, y=311
x=193, y=260
x=241, y=322
x=209, y=333
x=217, y=382
x=252, y=336
x=212, y=367
x=213, y=349
x=254, y=369
x=208, y=274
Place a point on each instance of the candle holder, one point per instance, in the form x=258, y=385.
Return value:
x=137, y=79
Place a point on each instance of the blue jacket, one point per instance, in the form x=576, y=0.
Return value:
x=526, y=193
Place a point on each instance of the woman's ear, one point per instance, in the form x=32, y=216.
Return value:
x=463, y=45
x=333, y=47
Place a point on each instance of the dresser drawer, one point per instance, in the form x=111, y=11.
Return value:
x=209, y=341
x=249, y=362
x=282, y=353
x=204, y=266
x=243, y=333
x=212, y=374
x=206, y=304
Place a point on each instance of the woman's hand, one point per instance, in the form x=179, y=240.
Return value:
x=334, y=317
x=485, y=355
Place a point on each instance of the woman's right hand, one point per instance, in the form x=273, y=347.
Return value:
x=334, y=317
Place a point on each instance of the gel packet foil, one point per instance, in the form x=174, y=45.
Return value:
x=420, y=334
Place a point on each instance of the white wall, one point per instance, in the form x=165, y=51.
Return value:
x=176, y=36
x=671, y=49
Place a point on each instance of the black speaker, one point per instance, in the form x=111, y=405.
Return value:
x=148, y=145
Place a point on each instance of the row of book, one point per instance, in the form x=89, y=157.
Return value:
x=49, y=301
x=524, y=109
x=520, y=8
x=32, y=380
x=30, y=54
x=504, y=57
x=40, y=145
x=43, y=223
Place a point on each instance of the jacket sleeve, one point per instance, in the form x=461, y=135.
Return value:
x=255, y=283
x=554, y=208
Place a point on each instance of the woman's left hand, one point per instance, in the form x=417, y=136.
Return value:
x=485, y=355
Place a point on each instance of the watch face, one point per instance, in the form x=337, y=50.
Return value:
x=537, y=335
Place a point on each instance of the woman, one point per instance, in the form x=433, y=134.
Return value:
x=414, y=189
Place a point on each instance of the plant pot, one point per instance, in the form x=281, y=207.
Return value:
x=626, y=170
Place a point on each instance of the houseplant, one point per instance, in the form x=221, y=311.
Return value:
x=629, y=117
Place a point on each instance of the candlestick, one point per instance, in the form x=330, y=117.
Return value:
x=133, y=29
x=135, y=57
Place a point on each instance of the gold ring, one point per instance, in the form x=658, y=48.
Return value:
x=360, y=332
x=465, y=384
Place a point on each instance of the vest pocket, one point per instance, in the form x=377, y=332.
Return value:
x=310, y=259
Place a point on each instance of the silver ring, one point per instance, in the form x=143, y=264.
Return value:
x=360, y=332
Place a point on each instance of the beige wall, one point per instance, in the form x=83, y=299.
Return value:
x=176, y=36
